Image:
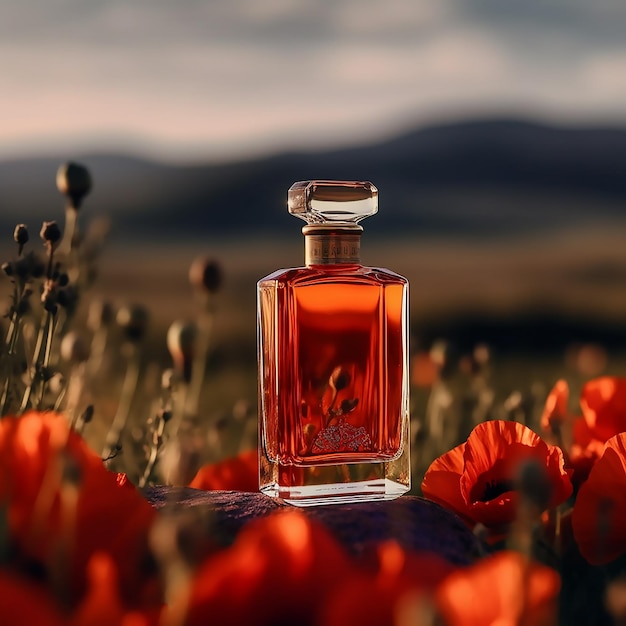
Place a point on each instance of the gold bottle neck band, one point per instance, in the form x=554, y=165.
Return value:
x=332, y=244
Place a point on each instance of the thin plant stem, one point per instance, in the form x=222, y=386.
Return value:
x=8, y=364
x=157, y=438
x=75, y=388
x=46, y=359
x=60, y=398
x=180, y=404
x=39, y=357
x=198, y=369
x=127, y=396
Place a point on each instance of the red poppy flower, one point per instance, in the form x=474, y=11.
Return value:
x=240, y=473
x=599, y=517
x=477, y=479
x=24, y=602
x=603, y=401
x=424, y=369
x=555, y=411
x=504, y=588
x=101, y=605
x=64, y=505
x=279, y=570
x=387, y=575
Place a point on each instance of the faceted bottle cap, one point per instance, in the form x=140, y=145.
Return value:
x=333, y=201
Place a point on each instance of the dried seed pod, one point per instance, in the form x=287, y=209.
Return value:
x=205, y=274
x=20, y=235
x=68, y=298
x=50, y=232
x=74, y=181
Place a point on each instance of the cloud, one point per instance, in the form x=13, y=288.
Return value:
x=214, y=76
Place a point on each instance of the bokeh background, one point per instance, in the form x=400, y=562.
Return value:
x=495, y=132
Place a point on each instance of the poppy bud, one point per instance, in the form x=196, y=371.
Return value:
x=181, y=338
x=68, y=297
x=205, y=274
x=20, y=235
x=74, y=181
x=36, y=267
x=23, y=267
x=339, y=379
x=87, y=415
x=348, y=405
x=74, y=348
x=133, y=320
x=50, y=232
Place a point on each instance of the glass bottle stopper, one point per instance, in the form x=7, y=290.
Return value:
x=332, y=201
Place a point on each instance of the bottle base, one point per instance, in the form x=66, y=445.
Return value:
x=314, y=495
x=335, y=484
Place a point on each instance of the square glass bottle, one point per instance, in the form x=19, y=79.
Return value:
x=333, y=360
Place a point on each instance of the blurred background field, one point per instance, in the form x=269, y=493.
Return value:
x=532, y=270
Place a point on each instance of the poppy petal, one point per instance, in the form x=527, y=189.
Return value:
x=603, y=402
x=599, y=516
x=555, y=409
x=441, y=482
x=510, y=589
x=240, y=473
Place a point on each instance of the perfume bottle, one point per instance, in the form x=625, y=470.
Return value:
x=333, y=360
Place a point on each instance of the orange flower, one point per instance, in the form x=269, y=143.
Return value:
x=477, y=479
x=279, y=570
x=504, y=589
x=599, y=517
x=240, y=473
x=387, y=574
x=64, y=505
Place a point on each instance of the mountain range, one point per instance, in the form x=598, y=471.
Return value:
x=475, y=177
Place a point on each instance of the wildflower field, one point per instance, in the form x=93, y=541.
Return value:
x=128, y=434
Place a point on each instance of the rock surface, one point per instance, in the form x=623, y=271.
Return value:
x=416, y=523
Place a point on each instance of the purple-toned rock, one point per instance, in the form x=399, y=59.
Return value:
x=416, y=523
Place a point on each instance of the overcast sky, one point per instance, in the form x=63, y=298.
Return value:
x=191, y=79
